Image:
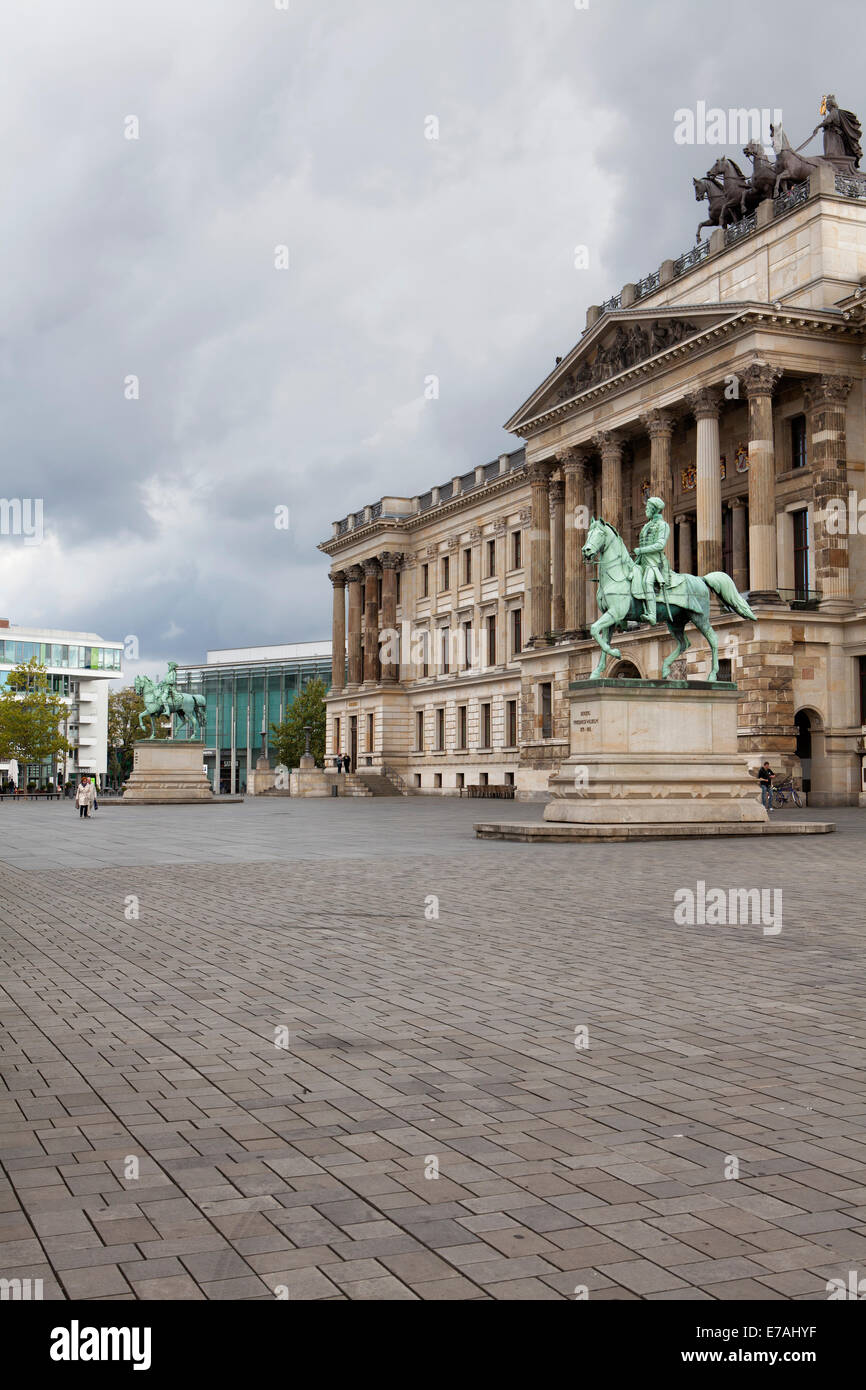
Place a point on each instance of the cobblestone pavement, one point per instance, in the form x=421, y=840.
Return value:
x=418, y=1043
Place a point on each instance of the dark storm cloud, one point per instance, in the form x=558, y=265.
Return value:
x=409, y=258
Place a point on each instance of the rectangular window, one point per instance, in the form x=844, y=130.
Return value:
x=425, y=581
x=337, y=739
x=461, y=725
x=546, y=701
x=862, y=664
x=445, y=648
x=516, y=550
x=485, y=726
x=425, y=653
x=437, y=779
x=491, y=559
x=446, y=574
x=728, y=540
x=799, y=457
x=484, y=779
x=461, y=781
x=467, y=645
x=509, y=779
x=417, y=779
x=399, y=588
x=801, y=553
x=511, y=723
x=440, y=730
x=490, y=624
x=370, y=732
x=516, y=631
x=419, y=731
x=467, y=567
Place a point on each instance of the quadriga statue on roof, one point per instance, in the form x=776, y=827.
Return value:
x=641, y=587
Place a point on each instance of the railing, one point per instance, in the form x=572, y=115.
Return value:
x=647, y=285
x=743, y=228
x=785, y=201
x=394, y=776
x=691, y=258
x=800, y=598
x=850, y=188
x=615, y=302
x=375, y=511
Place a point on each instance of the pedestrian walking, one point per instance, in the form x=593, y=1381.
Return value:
x=84, y=798
x=347, y=764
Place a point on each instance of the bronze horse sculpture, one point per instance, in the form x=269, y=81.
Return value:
x=686, y=599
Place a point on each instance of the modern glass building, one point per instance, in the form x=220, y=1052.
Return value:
x=80, y=667
x=244, y=688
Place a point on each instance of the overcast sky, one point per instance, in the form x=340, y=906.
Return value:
x=305, y=127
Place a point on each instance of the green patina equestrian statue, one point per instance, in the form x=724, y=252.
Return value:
x=627, y=589
x=162, y=699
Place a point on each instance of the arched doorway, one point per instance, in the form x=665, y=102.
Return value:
x=803, y=725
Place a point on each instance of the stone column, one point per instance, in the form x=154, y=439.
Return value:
x=759, y=381
x=371, y=622
x=659, y=425
x=574, y=469
x=828, y=453
x=740, y=547
x=557, y=522
x=390, y=666
x=687, y=556
x=338, y=634
x=539, y=551
x=705, y=406
x=610, y=446
x=354, y=577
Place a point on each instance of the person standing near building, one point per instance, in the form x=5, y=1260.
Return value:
x=765, y=777
x=84, y=798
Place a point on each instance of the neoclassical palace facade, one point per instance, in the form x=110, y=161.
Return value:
x=730, y=383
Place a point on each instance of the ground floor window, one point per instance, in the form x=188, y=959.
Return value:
x=546, y=711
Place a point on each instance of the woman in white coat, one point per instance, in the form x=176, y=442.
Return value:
x=84, y=797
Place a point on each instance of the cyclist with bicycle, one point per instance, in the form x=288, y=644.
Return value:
x=765, y=777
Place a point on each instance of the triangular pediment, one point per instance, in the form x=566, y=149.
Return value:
x=617, y=345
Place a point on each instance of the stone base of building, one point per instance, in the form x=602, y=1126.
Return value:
x=654, y=754
x=167, y=773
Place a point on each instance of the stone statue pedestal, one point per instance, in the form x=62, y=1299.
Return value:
x=167, y=772
x=654, y=754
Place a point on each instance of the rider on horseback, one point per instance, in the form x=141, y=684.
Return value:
x=651, y=562
x=167, y=689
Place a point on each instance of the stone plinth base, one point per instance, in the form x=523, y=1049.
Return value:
x=310, y=782
x=540, y=833
x=262, y=779
x=167, y=773
x=653, y=754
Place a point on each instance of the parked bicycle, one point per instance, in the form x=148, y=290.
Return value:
x=783, y=791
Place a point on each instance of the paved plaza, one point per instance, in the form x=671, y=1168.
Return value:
x=240, y=1042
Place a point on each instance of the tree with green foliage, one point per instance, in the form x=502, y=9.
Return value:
x=288, y=740
x=124, y=707
x=31, y=716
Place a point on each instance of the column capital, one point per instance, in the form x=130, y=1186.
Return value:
x=761, y=379
x=540, y=471
x=828, y=390
x=557, y=490
x=371, y=566
x=526, y=517
x=575, y=459
x=390, y=560
x=338, y=579
x=500, y=527
x=609, y=442
x=475, y=535
x=354, y=574
x=705, y=403
x=737, y=503
x=659, y=424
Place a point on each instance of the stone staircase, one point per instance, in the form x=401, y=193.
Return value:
x=367, y=783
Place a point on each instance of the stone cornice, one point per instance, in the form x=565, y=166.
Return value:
x=794, y=321
x=367, y=533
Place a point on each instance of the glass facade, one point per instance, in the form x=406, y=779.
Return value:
x=61, y=654
x=237, y=697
